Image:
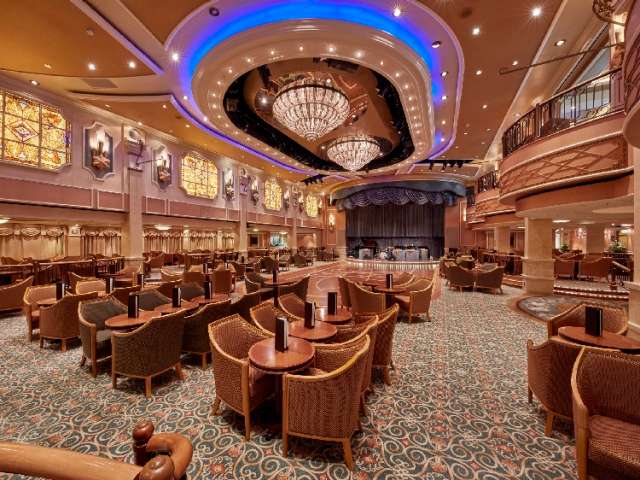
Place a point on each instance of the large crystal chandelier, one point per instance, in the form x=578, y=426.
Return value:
x=310, y=108
x=354, y=151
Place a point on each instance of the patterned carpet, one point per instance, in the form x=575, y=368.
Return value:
x=457, y=408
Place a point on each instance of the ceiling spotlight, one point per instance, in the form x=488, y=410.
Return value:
x=272, y=52
x=444, y=97
x=484, y=107
x=249, y=60
x=441, y=139
x=359, y=54
x=381, y=63
x=139, y=124
x=560, y=42
x=35, y=83
x=175, y=56
x=48, y=66
x=301, y=48
x=466, y=133
x=263, y=100
x=131, y=64
x=397, y=11
x=230, y=70
x=205, y=118
x=406, y=86
x=478, y=72
x=187, y=125
x=397, y=74
x=107, y=105
x=214, y=12
x=514, y=63
x=475, y=31
x=436, y=44
x=91, y=66
x=488, y=129
x=536, y=11
x=444, y=74
x=332, y=49
x=184, y=97
x=444, y=122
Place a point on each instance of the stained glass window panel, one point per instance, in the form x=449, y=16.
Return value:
x=272, y=195
x=199, y=176
x=311, y=206
x=32, y=133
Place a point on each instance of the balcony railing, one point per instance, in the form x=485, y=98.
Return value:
x=586, y=101
x=487, y=182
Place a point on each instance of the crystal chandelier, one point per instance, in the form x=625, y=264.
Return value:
x=310, y=108
x=354, y=151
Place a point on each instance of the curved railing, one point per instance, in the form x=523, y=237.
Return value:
x=587, y=101
x=487, y=182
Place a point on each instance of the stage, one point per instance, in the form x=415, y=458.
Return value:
x=391, y=265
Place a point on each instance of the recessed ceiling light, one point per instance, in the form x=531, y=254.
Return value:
x=359, y=54
x=466, y=133
x=301, y=48
x=536, y=11
x=436, y=44
x=381, y=63
x=484, y=107
x=478, y=72
x=139, y=124
x=475, y=31
x=516, y=114
x=332, y=49
x=48, y=66
x=411, y=98
x=444, y=122
x=444, y=97
x=249, y=60
x=397, y=11
x=272, y=52
x=444, y=74
x=263, y=100
x=175, y=56
x=218, y=116
x=561, y=221
x=184, y=97
x=514, y=63
x=205, y=118
x=406, y=86
x=35, y=83
x=107, y=105
x=441, y=139
x=488, y=129
x=560, y=42
x=187, y=125
x=219, y=82
x=131, y=64
x=91, y=66
x=230, y=70
x=397, y=74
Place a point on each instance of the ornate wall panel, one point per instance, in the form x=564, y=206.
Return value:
x=272, y=195
x=199, y=176
x=569, y=165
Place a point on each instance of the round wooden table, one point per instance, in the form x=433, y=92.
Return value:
x=264, y=356
x=124, y=322
x=168, y=308
x=215, y=298
x=372, y=284
x=389, y=293
x=342, y=316
x=320, y=332
x=275, y=285
x=607, y=340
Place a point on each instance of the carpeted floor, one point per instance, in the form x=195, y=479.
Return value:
x=457, y=408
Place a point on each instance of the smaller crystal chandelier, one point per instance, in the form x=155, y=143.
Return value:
x=354, y=151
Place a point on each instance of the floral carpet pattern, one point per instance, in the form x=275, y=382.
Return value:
x=457, y=408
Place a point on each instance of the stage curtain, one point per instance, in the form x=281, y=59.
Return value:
x=390, y=220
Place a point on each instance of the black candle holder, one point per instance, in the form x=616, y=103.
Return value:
x=309, y=314
x=110, y=281
x=593, y=321
x=389, y=280
x=140, y=279
x=133, y=310
x=332, y=303
x=282, y=334
x=207, y=289
x=176, y=297
x=60, y=290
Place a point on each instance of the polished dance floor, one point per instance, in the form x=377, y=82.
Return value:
x=457, y=408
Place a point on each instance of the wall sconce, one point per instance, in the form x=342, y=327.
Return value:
x=332, y=222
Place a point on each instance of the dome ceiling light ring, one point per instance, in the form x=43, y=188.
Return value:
x=353, y=151
x=310, y=108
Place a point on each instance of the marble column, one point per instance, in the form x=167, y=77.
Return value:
x=293, y=241
x=502, y=239
x=634, y=287
x=538, y=259
x=242, y=226
x=595, y=239
x=132, y=238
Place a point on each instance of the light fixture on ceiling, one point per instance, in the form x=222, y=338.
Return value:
x=514, y=63
x=436, y=44
x=484, y=107
x=444, y=97
x=560, y=42
x=332, y=49
x=444, y=122
x=310, y=108
x=107, y=105
x=397, y=11
x=205, y=118
x=478, y=72
x=444, y=74
x=475, y=31
x=175, y=56
x=91, y=66
x=301, y=48
x=162, y=228
x=466, y=133
x=35, y=83
x=131, y=64
x=139, y=124
x=164, y=105
x=184, y=97
x=272, y=52
x=187, y=125
x=229, y=70
x=4, y=220
x=561, y=221
x=382, y=63
x=353, y=151
x=48, y=66
x=263, y=100
x=536, y=11
x=359, y=54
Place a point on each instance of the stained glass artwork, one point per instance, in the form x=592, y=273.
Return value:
x=199, y=176
x=311, y=206
x=272, y=195
x=33, y=133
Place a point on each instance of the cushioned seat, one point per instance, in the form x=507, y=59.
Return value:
x=103, y=336
x=402, y=298
x=615, y=445
x=260, y=385
x=189, y=291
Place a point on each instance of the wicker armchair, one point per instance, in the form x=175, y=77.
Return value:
x=564, y=268
x=291, y=304
x=268, y=264
x=243, y=306
x=239, y=269
x=194, y=277
x=30, y=306
x=87, y=286
x=596, y=269
x=343, y=285
x=416, y=299
x=151, y=299
x=326, y=406
x=490, y=279
x=126, y=276
x=299, y=260
x=299, y=288
x=196, y=339
x=383, y=351
x=405, y=278
x=74, y=278
x=284, y=261
x=149, y=350
x=122, y=294
x=263, y=316
x=364, y=301
x=95, y=337
x=60, y=320
x=157, y=261
x=167, y=276
x=614, y=319
x=549, y=368
x=222, y=281
x=12, y=296
x=254, y=287
x=605, y=387
x=239, y=385
x=459, y=277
